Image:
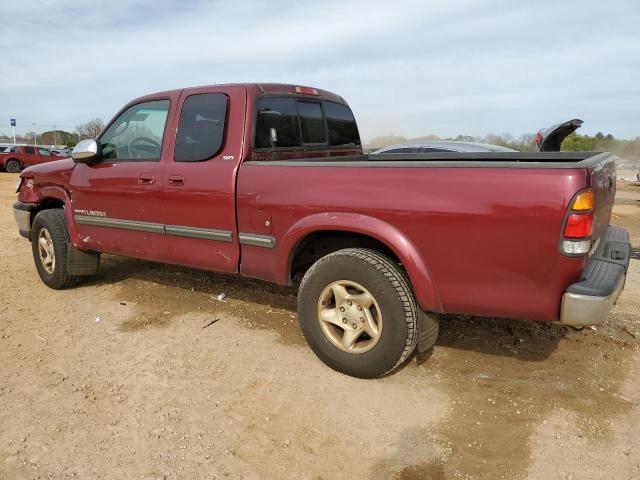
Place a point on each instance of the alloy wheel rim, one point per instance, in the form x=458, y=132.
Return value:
x=46, y=251
x=350, y=316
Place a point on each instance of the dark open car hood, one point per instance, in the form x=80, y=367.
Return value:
x=550, y=139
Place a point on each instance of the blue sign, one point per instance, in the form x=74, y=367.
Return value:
x=13, y=122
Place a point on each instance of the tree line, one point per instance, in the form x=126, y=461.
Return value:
x=90, y=129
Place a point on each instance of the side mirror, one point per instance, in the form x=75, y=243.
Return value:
x=86, y=151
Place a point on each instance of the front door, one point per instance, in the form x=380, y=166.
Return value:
x=117, y=202
x=199, y=179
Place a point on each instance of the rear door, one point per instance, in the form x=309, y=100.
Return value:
x=117, y=202
x=43, y=156
x=199, y=179
x=29, y=156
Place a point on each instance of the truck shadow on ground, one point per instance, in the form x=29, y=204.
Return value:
x=162, y=292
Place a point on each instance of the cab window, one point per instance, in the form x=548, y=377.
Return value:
x=277, y=123
x=341, y=124
x=311, y=122
x=201, y=128
x=137, y=134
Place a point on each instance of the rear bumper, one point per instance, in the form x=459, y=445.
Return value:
x=589, y=301
x=22, y=214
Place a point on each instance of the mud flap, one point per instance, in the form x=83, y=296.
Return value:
x=80, y=262
x=428, y=325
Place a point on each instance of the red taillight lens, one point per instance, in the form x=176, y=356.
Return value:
x=578, y=225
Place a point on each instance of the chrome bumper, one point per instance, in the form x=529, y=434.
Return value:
x=589, y=301
x=587, y=310
x=22, y=214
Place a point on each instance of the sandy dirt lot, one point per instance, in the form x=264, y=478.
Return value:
x=118, y=378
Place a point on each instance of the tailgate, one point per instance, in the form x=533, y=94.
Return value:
x=603, y=182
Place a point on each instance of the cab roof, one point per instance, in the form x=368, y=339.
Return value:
x=257, y=89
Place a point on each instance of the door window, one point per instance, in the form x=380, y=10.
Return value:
x=201, y=127
x=137, y=134
x=29, y=150
x=44, y=152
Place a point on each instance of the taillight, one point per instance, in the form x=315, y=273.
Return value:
x=578, y=225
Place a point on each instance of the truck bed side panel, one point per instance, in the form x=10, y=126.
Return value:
x=488, y=235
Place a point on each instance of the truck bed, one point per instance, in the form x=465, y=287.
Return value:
x=448, y=160
x=489, y=234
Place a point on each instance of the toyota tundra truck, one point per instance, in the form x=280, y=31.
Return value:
x=269, y=181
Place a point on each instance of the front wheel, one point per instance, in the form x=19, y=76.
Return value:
x=13, y=166
x=358, y=313
x=50, y=244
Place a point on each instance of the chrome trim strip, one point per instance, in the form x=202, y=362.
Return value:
x=122, y=224
x=265, y=241
x=175, y=230
x=195, y=232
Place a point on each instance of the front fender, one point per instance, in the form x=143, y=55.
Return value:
x=45, y=194
x=419, y=274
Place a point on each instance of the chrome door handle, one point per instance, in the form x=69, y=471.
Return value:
x=176, y=180
x=146, y=179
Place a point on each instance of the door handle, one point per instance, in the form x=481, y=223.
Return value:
x=176, y=180
x=146, y=179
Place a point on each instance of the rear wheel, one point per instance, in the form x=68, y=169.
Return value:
x=49, y=244
x=358, y=313
x=13, y=166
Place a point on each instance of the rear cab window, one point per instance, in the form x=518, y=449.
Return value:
x=304, y=124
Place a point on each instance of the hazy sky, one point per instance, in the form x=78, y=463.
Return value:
x=406, y=67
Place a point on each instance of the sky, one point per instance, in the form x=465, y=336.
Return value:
x=406, y=67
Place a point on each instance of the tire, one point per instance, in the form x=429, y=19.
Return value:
x=392, y=319
x=13, y=166
x=51, y=226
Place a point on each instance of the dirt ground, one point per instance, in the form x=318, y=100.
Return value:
x=119, y=378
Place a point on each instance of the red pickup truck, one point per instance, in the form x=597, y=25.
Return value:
x=269, y=181
x=13, y=159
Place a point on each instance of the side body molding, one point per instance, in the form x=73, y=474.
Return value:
x=419, y=274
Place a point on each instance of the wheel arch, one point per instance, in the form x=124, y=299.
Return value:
x=53, y=196
x=344, y=230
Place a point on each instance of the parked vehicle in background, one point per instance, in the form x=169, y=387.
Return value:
x=550, y=139
x=442, y=146
x=18, y=157
x=269, y=181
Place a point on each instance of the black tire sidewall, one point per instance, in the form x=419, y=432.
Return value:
x=14, y=162
x=58, y=278
x=384, y=356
